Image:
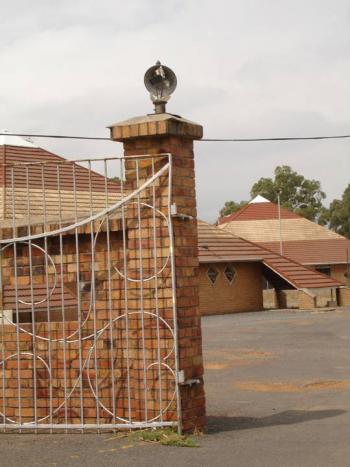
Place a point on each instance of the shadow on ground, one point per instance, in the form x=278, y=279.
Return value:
x=288, y=417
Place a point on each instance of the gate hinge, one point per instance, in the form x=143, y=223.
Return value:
x=186, y=382
x=174, y=213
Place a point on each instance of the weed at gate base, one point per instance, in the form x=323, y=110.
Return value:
x=165, y=437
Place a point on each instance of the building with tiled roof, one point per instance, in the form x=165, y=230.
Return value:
x=232, y=269
x=68, y=184
x=296, y=237
x=51, y=184
x=223, y=255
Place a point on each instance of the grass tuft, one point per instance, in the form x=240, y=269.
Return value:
x=165, y=437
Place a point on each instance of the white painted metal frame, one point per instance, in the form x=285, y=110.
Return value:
x=54, y=273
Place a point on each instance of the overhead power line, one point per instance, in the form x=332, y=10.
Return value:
x=291, y=138
x=232, y=140
x=26, y=135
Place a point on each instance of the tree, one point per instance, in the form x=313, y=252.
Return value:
x=232, y=206
x=297, y=193
x=339, y=214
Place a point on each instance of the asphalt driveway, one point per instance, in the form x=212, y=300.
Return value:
x=277, y=385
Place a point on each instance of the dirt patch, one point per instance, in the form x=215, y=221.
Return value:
x=300, y=322
x=222, y=359
x=239, y=353
x=215, y=366
x=292, y=387
x=268, y=387
x=328, y=385
x=258, y=354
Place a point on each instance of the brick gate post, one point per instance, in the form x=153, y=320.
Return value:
x=165, y=133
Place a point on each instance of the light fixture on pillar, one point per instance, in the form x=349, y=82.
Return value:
x=161, y=82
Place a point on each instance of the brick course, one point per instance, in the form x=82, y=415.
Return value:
x=244, y=294
x=307, y=300
x=344, y=296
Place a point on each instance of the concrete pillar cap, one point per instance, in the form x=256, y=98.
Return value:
x=154, y=125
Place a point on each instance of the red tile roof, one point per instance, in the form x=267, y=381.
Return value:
x=324, y=251
x=217, y=245
x=304, y=241
x=40, y=295
x=16, y=154
x=259, y=211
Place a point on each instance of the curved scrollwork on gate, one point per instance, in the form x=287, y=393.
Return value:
x=88, y=319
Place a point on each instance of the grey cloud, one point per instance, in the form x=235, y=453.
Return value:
x=19, y=18
x=245, y=68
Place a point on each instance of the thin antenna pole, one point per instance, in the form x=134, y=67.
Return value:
x=280, y=222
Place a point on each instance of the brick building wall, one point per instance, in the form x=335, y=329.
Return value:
x=114, y=362
x=307, y=300
x=344, y=296
x=270, y=300
x=338, y=271
x=243, y=294
x=325, y=296
x=2, y=202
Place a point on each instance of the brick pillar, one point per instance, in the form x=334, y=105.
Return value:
x=165, y=133
x=344, y=296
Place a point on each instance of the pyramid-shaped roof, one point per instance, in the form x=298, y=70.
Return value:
x=258, y=199
x=259, y=208
x=303, y=240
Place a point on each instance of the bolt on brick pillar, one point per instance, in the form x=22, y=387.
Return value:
x=158, y=134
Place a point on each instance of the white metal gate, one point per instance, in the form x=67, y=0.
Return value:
x=88, y=312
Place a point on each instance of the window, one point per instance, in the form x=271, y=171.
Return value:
x=324, y=270
x=230, y=273
x=212, y=274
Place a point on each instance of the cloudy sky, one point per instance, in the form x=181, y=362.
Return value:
x=246, y=68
